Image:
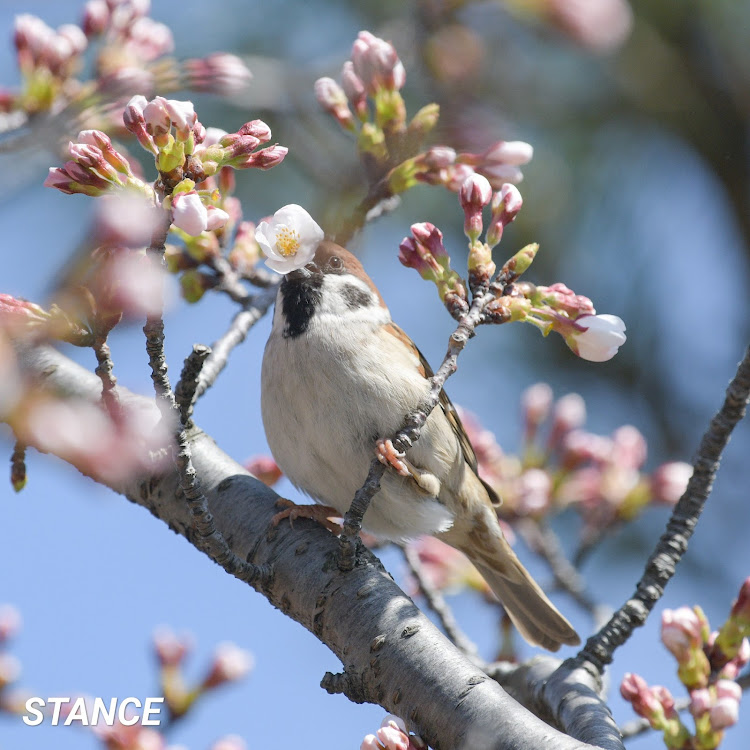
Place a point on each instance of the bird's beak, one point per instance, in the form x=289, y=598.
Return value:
x=301, y=274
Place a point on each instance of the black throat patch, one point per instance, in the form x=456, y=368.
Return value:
x=299, y=298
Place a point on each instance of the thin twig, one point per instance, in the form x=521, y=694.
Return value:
x=18, y=466
x=542, y=540
x=243, y=321
x=206, y=536
x=187, y=386
x=660, y=567
x=438, y=605
x=409, y=433
x=105, y=371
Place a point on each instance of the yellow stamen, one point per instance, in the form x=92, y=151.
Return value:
x=287, y=240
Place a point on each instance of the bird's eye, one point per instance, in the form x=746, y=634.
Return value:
x=336, y=263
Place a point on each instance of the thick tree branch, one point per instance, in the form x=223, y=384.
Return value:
x=390, y=650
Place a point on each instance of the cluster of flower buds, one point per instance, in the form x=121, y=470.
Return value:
x=707, y=664
x=46, y=59
x=131, y=38
x=368, y=102
x=374, y=71
x=229, y=664
x=565, y=466
x=656, y=705
x=440, y=165
x=393, y=735
x=95, y=168
x=424, y=251
x=596, y=338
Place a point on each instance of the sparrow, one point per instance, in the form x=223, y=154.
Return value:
x=338, y=377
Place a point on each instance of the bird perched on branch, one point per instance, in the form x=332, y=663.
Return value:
x=338, y=377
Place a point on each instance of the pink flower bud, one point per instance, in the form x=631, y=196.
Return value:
x=439, y=157
x=569, y=413
x=636, y=691
x=332, y=98
x=473, y=195
x=669, y=481
x=95, y=17
x=182, y=115
x=219, y=73
x=414, y=255
x=148, y=39
x=156, y=116
x=265, y=469
x=431, y=237
x=189, y=213
x=353, y=87
x=392, y=738
x=629, y=447
x=700, y=701
x=536, y=401
x=169, y=648
x=741, y=607
x=215, y=218
x=508, y=152
x=578, y=446
x=681, y=631
x=74, y=36
x=370, y=742
x=257, y=129
x=728, y=689
x=135, y=122
x=230, y=742
x=724, y=713
x=10, y=617
x=231, y=663
x=266, y=158
x=534, y=491
x=506, y=204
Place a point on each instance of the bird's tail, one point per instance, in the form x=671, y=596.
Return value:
x=536, y=618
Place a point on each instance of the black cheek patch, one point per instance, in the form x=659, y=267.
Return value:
x=299, y=300
x=355, y=297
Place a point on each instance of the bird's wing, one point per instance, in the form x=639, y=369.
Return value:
x=450, y=412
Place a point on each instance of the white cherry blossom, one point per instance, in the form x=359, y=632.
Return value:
x=289, y=239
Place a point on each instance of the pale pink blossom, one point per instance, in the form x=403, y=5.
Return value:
x=170, y=648
x=182, y=114
x=515, y=153
x=215, y=218
x=230, y=742
x=600, y=339
x=536, y=401
x=231, y=663
x=189, y=213
x=724, y=713
x=681, y=631
x=10, y=622
x=700, y=701
x=669, y=481
x=629, y=447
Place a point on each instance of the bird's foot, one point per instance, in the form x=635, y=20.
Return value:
x=321, y=514
x=388, y=455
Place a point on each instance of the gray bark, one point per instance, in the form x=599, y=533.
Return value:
x=391, y=653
